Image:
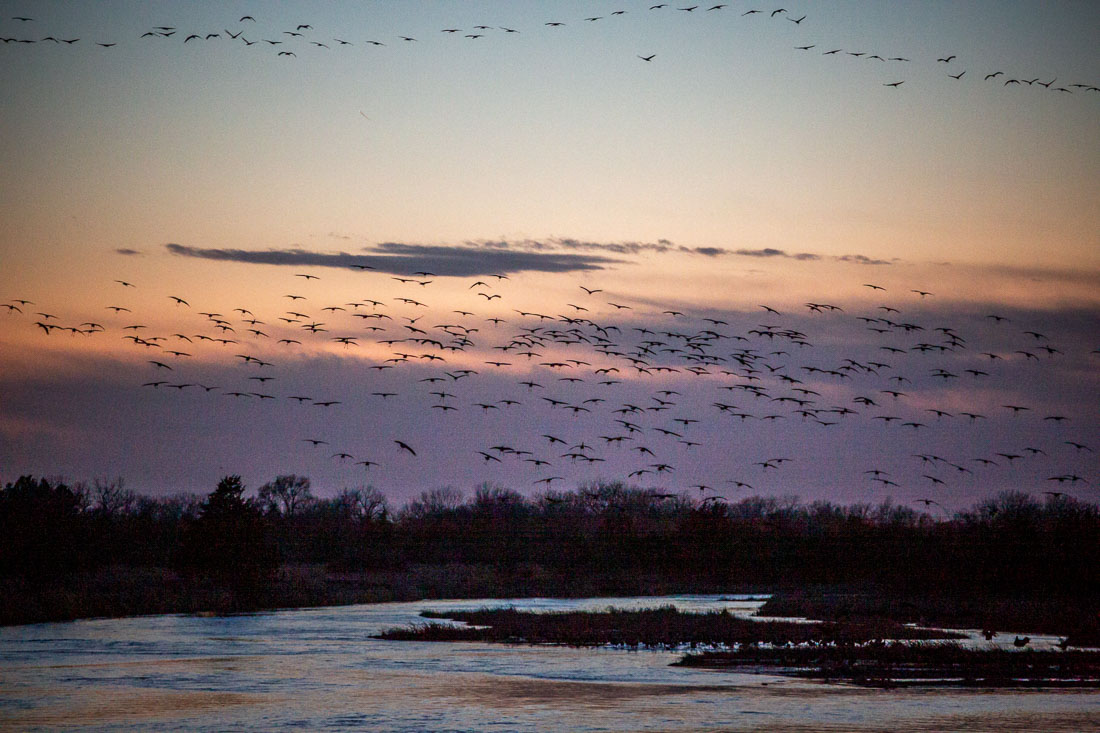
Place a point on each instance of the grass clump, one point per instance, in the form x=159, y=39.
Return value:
x=656, y=627
x=879, y=664
x=1050, y=615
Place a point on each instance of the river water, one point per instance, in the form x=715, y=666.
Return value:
x=318, y=669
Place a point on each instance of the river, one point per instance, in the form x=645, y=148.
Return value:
x=318, y=669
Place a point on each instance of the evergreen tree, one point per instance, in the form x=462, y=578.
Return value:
x=231, y=541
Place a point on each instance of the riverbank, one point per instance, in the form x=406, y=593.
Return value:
x=128, y=591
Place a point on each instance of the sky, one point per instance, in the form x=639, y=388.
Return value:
x=686, y=164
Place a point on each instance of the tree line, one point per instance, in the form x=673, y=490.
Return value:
x=1009, y=544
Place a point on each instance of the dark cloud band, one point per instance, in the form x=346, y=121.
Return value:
x=487, y=257
x=403, y=259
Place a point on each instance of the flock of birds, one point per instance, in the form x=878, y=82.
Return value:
x=646, y=391
x=288, y=43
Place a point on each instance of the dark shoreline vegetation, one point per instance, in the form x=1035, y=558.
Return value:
x=1009, y=614
x=664, y=627
x=922, y=664
x=871, y=652
x=1011, y=563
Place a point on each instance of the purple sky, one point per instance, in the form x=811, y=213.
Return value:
x=610, y=378
x=751, y=160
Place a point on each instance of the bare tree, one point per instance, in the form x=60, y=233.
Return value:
x=112, y=498
x=364, y=503
x=433, y=503
x=286, y=495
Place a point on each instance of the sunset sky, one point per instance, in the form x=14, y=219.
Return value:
x=729, y=171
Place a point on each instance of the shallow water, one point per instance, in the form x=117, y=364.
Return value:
x=318, y=669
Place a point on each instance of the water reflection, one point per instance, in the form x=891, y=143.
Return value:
x=318, y=669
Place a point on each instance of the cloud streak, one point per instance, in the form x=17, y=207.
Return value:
x=403, y=259
x=487, y=257
x=864, y=260
x=772, y=252
x=662, y=246
x=810, y=256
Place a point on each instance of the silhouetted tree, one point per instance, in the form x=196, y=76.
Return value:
x=360, y=530
x=111, y=498
x=433, y=503
x=1009, y=545
x=43, y=529
x=363, y=504
x=287, y=495
x=231, y=540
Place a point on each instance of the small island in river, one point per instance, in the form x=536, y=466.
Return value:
x=872, y=652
